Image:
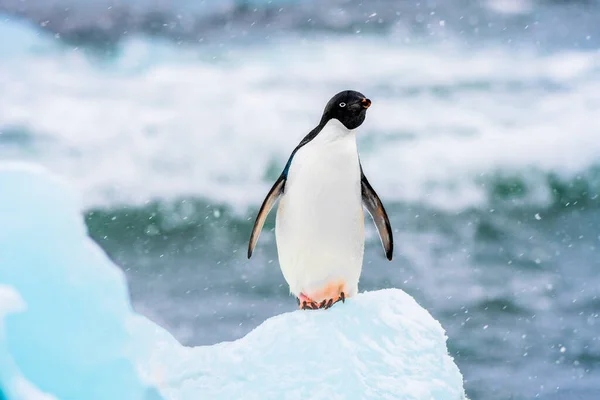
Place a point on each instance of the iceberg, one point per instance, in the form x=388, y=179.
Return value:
x=68, y=331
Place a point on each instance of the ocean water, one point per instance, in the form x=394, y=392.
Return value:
x=483, y=142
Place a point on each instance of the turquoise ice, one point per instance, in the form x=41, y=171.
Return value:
x=67, y=329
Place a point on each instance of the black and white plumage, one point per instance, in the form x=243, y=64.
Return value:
x=320, y=221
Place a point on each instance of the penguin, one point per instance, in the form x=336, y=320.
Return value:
x=319, y=226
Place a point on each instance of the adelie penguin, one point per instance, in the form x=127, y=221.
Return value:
x=320, y=221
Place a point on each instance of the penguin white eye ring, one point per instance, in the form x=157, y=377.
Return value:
x=319, y=228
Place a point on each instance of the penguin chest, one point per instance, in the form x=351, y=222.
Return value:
x=320, y=221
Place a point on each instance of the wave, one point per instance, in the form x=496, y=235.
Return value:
x=451, y=128
x=220, y=227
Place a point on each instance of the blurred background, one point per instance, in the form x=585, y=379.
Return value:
x=174, y=117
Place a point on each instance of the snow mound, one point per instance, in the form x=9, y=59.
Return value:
x=67, y=329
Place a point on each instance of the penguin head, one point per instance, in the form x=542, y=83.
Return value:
x=349, y=107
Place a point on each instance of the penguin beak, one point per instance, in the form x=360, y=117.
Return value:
x=366, y=103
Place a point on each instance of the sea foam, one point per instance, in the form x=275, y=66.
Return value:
x=156, y=117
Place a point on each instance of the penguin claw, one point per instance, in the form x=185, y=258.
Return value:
x=306, y=303
x=331, y=302
x=309, y=305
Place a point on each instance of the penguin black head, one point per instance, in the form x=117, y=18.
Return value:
x=348, y=107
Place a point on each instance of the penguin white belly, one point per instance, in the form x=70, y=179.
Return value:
x=320, y=220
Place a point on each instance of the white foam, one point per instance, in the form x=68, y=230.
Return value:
x=163, y=121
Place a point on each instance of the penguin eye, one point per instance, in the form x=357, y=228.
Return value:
x=342, y=104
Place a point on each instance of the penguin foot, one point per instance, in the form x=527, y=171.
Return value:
x=328, y=303
x=307, y=303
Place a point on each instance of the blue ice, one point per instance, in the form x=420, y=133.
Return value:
x=67, y=329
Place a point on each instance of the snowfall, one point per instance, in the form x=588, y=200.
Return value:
x=68, y=331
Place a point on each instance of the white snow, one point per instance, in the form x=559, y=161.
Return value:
x=67, y=330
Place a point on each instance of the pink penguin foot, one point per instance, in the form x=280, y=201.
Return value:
x=306, y=303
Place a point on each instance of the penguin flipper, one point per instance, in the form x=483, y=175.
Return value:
x=274, y=194
x=375, y=207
